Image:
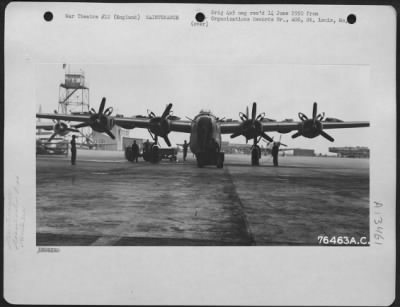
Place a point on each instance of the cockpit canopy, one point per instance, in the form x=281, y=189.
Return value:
x=205, y=112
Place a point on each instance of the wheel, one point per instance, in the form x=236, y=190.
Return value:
x=255, y=157
x=129, y=154
x=220, y=162
x=155, y=154
x=200, y=161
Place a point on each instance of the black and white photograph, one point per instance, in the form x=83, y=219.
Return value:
x=210, y=158
x=199, y=154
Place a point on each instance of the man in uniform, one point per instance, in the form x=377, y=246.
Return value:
x=185, y=149
x=135, y=151
x=274, y=152
x=73, y=150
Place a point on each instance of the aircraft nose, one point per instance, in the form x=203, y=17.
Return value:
x=204, y=124
x=204, y=130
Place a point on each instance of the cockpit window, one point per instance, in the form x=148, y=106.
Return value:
x=205, y=111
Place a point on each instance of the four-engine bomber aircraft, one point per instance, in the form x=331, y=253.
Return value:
x=205, y=128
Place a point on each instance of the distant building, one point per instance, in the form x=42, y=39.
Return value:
x=303, y=152
x=235, y=148
x=351, y=152
x=104, y=142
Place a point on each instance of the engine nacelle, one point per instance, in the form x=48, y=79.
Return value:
x=310, y=128
x=251, y=129
x=159, y=126
x=101, y=123
x=61, y=128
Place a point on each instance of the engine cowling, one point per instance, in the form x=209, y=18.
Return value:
x=311, y=128
x=159, y=125
x=251, y=128
x=100, y=121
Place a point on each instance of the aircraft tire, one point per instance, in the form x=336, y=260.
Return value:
x=220, y=162
x=155, y=154
x=255, y=157
x=128, y=154
x=200, y=161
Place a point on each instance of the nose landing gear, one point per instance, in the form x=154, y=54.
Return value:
x=213, y=156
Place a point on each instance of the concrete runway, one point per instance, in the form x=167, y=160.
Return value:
x=105, y=200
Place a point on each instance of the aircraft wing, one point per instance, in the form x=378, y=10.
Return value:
x=124, y=122
x=338, y=125
x=135, y=122
x=284, y=127
x=67, y=117
x=44, y=126
x=230, y=127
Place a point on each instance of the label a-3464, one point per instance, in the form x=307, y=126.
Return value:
x=342, y=240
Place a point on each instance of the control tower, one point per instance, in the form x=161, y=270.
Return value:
x=73, y=93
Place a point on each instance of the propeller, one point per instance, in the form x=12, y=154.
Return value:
x=279, y=143
x=311, y=128
x=99, y=121
x=280, y=138
x=159, y=125
x=251, y=128
x=60, y=128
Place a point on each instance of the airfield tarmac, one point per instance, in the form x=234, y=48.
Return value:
x=105, y=200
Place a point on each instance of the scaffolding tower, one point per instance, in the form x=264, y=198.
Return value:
x=73, y=94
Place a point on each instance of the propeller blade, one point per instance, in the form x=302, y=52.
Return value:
x=109, y=134
x=283, y=144
x=254, y=111
x=102, y=105
x=297, y=134
x=51, y=137
x=303, y=117
x=82, y=125
x=326, y=135
x=314, y=111
x=243, y=116
x=267, y=137
x=321, y=116
x=247, y=112
x=166, y=111
x=260, y=116
x=108, y=111
x=236, y=134
x=72, y=130
x=166, y=139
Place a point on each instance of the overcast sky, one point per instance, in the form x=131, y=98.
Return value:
x=281, y=91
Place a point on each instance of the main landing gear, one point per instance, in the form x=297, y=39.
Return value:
x=255, y=155
x=152, y=154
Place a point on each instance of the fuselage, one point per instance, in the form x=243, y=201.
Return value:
x=205, y=133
